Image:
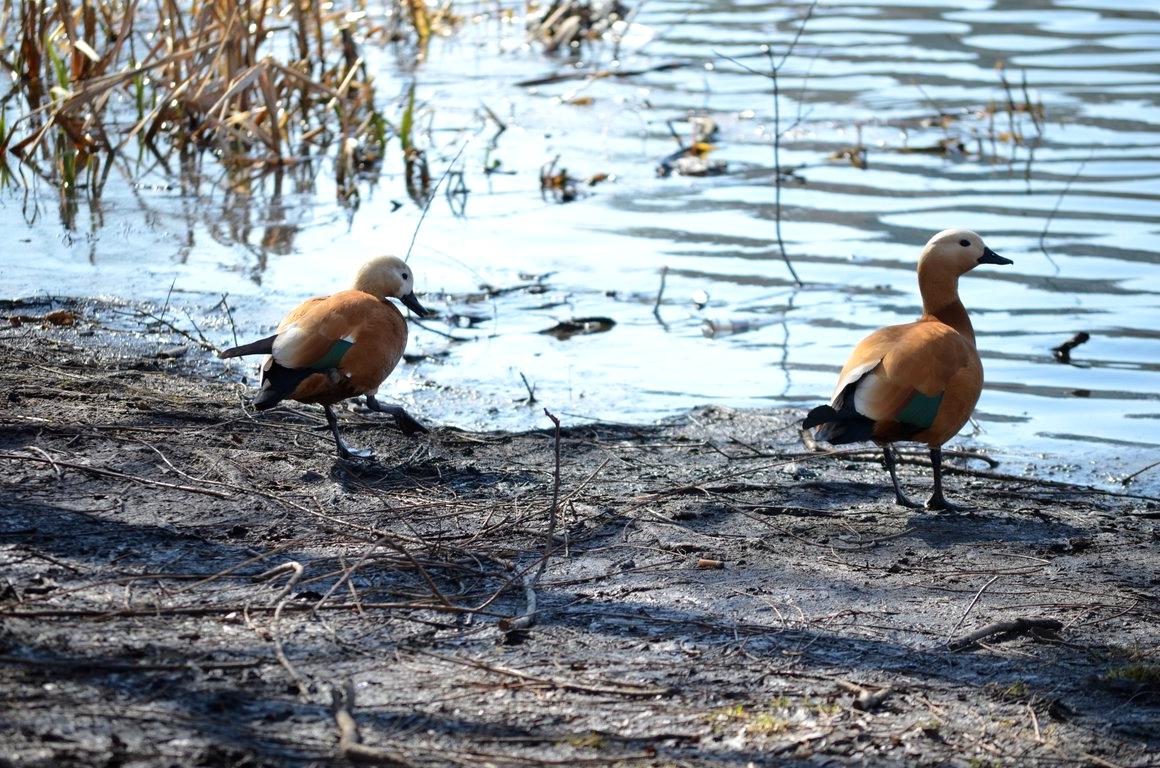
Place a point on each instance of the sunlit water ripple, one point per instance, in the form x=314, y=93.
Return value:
x=904, y=78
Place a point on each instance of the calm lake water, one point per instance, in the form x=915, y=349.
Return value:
x=1071, y=193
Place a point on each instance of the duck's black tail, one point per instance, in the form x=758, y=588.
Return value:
x=278, y=383
x=260, y=347
x=843, y=425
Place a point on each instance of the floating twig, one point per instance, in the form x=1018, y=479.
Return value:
x=1127, y=480
x=531, y=398
x=1055, y=210
x=660, y=296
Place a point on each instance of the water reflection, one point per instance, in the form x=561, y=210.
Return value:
x=894, y=121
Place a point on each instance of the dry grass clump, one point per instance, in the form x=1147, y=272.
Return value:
x=259, y=82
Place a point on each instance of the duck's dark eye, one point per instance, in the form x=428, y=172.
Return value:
x=405, y=274
x=964, y=242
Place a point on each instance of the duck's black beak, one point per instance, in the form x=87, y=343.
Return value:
x=413, y=304
x=990, y=257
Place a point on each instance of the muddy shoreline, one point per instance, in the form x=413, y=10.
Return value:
x=184, y=583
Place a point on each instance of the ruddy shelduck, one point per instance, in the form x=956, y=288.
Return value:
x=919, y=381
x=335, y=347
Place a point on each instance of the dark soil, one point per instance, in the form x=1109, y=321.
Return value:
x=185, y=583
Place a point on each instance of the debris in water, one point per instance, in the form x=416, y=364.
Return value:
x=692, y=160
x=580, y=326
x=565, y=25
x=1062, y=353
x=714, y=328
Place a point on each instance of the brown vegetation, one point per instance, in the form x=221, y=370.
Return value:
x=257, y=82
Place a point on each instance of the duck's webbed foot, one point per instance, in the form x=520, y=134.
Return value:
x=937, y=501
x=344, y=450
x=902, y=500
x=406, y=423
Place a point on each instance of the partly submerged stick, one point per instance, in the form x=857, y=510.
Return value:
x=774, y=70
x=431, y=198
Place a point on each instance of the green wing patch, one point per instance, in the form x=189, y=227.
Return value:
x=921, y=410
x=333, y=356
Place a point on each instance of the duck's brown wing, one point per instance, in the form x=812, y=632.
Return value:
x=314, y=333
x=909, y=382
x=351, y=340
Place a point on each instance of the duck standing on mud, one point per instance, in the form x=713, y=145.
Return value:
x=918, y=381
x=335, y=347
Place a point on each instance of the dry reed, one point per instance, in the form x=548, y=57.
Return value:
x=260, y=83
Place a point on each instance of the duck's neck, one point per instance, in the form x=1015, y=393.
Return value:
x=955, y=315
x=369, y=286
x=940, y=299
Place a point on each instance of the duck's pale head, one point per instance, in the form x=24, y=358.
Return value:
x=958, y=251
x=947, y=256
x=389, y=277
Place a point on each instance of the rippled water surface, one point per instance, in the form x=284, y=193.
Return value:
x=895, y=122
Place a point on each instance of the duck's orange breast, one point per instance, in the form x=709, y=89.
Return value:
x=354, y=339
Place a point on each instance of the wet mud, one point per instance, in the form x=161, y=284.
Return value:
x=185, y=583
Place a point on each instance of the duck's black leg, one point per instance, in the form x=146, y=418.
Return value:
x=899, y=497
x=937, y=500
x=344, y=450
x=407, y=424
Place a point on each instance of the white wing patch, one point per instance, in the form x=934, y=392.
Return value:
x=289, y=339
x=868, y=394
x=851, y=376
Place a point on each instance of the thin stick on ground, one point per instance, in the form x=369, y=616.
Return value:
x=1034, y=626
x=529, y=616
x=57, y=464
x=970, y=606
x=549, y=536
x=229, y=313
x=578, y=686
x=200, y=340
x=350, y=743
x=295, y=569
x=1035, y=723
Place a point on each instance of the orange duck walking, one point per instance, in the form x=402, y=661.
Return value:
x=336, y=347
x=919, y=381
